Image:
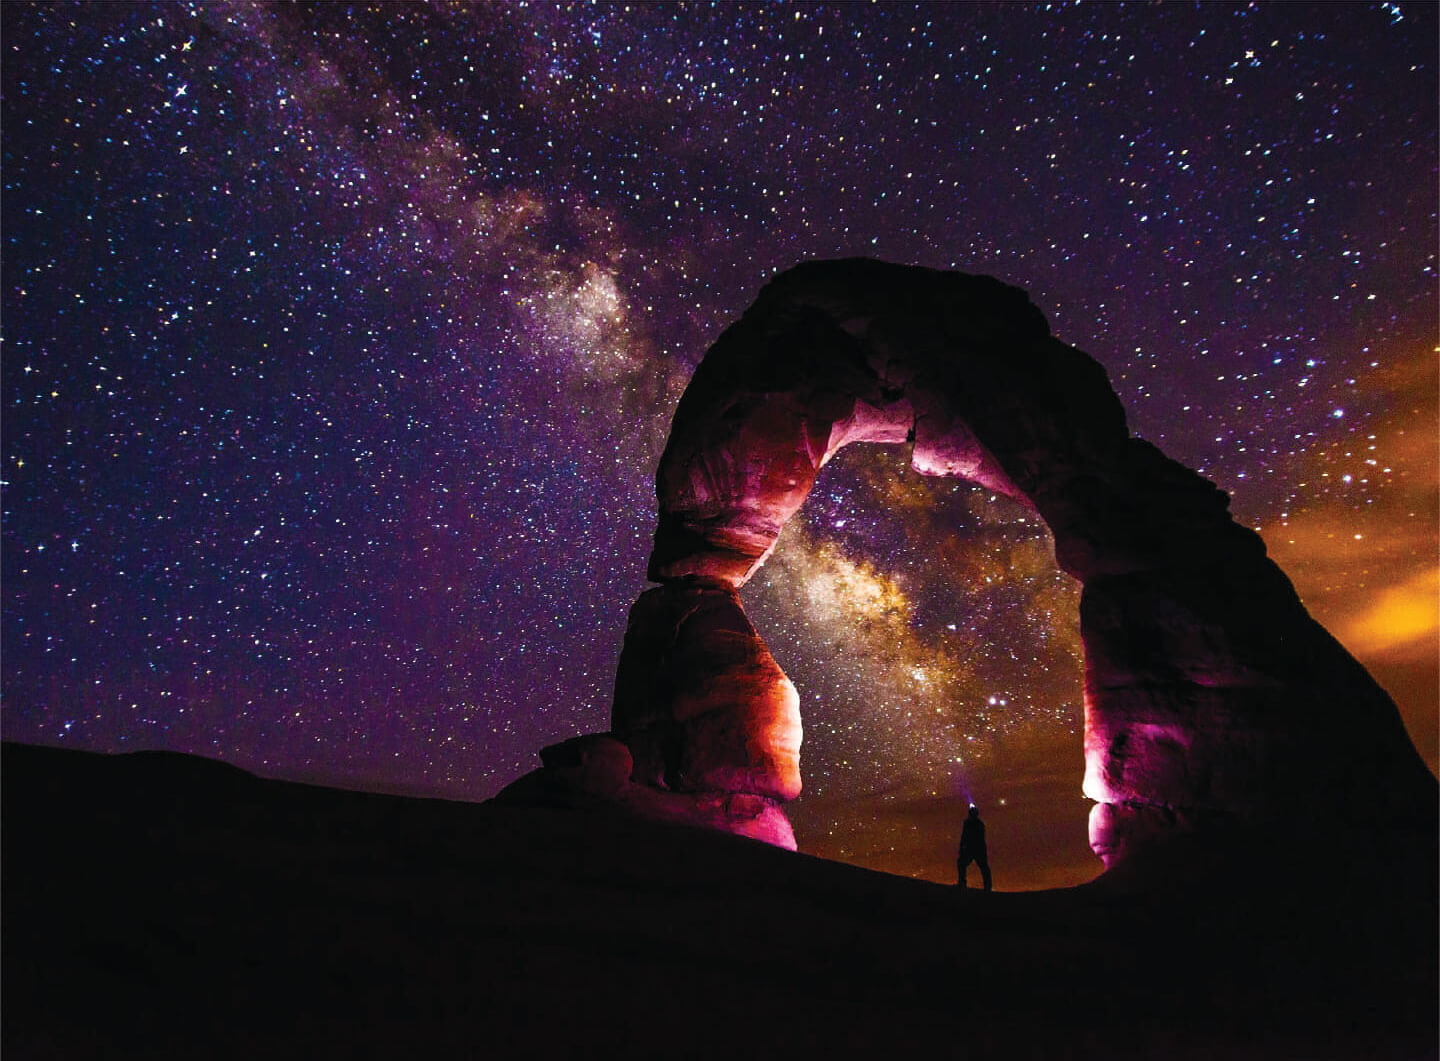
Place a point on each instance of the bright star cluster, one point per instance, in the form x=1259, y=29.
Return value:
x=341, y=341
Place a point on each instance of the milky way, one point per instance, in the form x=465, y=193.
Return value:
x=341, y=343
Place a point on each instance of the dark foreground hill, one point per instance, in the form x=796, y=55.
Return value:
x=162, y=906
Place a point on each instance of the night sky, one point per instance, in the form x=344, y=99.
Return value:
x=340, y=344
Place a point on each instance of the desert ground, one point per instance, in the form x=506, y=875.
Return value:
x=165, y=906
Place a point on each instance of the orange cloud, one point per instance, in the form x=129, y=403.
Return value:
x=1401, y=619
x=1366, y=565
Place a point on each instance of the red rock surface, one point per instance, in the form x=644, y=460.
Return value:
x=699, y=699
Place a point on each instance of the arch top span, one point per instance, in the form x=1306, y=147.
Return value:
x=961, y=368
x=1211, y=695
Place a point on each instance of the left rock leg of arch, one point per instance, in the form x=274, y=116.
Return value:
x=700, y=701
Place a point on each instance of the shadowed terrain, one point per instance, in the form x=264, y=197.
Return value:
x=158, y=905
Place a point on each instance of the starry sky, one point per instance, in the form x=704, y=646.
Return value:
x=341, y=342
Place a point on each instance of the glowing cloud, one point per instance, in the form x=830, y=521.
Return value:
x=1398, y=619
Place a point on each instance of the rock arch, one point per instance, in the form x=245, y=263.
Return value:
x=1211, y=695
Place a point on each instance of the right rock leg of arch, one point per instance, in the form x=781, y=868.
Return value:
x=1213, y=700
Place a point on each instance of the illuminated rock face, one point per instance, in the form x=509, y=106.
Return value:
x=700, y=702
x=1211, y=695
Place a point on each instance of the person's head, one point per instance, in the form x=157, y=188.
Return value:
x=974, y=811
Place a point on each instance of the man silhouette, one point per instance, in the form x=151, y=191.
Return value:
x=972, y=848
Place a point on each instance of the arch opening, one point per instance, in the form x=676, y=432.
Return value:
x=934, y=645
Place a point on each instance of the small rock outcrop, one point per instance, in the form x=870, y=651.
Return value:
x=1211, y=696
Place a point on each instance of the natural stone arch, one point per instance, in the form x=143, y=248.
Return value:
x=1211, y=695
x=1209, y=691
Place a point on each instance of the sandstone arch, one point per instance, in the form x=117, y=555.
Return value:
x=1210, y=693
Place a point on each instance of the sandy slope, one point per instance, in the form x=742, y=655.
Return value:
x=163, y=906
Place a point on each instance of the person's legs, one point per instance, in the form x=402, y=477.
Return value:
x=984, y=864
x=961, y=865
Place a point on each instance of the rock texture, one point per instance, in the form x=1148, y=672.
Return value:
x=1212, y=697
x=700, y=701
x=706, y=725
